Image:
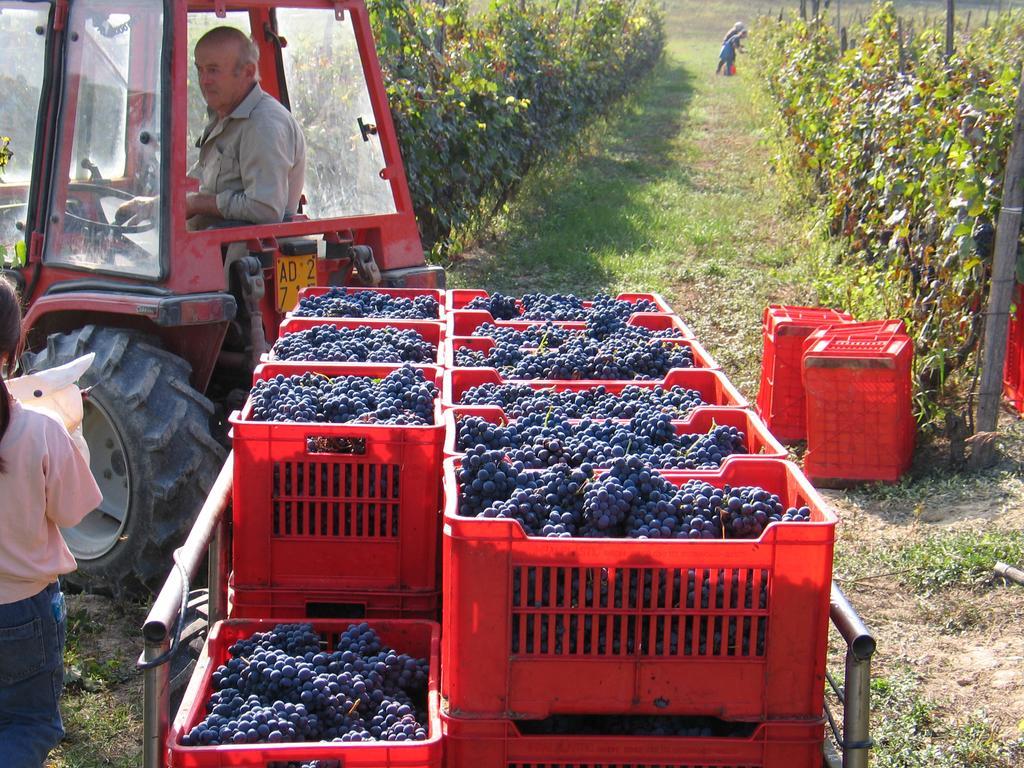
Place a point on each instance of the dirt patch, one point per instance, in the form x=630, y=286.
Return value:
x=965, y=648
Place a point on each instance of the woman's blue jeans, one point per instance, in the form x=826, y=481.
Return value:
x=32, y=638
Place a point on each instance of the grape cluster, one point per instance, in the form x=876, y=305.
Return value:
x=558, y=307
x=327, y=343
x=617, y=356
x=518, y=400
x=280, y=686
x=343, y=302
x=542, y=440
x=630, y=500
x=500, y=306
x=404, y=396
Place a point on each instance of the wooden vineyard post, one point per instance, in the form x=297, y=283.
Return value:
x=1004, y=264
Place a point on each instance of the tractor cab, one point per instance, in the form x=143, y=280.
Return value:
x=101, y=106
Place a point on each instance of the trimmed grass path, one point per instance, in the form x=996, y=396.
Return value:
x=673, y=196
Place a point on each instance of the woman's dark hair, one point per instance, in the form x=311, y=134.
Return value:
x=10, y=348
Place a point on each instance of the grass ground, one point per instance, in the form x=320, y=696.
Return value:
x=676, y=195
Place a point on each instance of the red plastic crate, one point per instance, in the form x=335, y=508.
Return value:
x=1013, y=371
x=458, y=298
x=464, y=322
x=780, y=396
x=501, y=744
x=280, y=604
x=398, y=293
x=732, y=629
x=860, y=424
x=432, y=332
x=759, y=441
x=713, y=386
x=701, y=357
x=364, y=518
x=417, y=638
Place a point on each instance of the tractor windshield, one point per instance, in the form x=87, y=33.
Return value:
x=329, y=98
x=22, y=63
x=108, y=139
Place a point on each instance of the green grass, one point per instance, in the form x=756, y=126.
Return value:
x=939, y=560
x=910, y=732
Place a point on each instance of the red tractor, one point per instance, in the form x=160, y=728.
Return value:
x=102, y=105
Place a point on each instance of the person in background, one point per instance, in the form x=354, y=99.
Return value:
x=727, y=56
x=736, y=28
x=45, y=484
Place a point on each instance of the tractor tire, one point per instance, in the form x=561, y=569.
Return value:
x=152, y=454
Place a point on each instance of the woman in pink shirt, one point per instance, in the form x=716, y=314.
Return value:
x=45, y=483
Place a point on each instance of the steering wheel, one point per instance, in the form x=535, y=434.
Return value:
x=101, y=191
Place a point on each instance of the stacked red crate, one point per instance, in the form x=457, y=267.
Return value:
x=1013, y=371
x=860, y=423
x=735, y=629
x=420, y=639
x=780, y=397
x=731, y=632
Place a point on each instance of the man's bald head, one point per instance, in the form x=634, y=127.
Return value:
x=227, y=62
x=248, y=51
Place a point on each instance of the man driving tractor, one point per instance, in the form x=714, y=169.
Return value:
x=252, y=154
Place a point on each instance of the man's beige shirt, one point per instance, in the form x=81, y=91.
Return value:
x=253, y=160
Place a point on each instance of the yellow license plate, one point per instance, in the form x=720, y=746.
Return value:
x=293, y=273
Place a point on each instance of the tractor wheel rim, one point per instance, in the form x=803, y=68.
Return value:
x=101, y=529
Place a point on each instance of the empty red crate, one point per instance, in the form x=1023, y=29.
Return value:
x=701, y=357
x=459, y=298
x=780, y=397
x=759, y=441
x=280, y=604
x=464, y=322
x=433, y=333
x=860, y=424
x=359, y=513
x=1013, y=371
x=502, y=744
x=734, y=629
x=713, y=386
x=417, y=638
x=398, y=293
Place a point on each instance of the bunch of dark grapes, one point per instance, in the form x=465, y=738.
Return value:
x=544, y=439
x=519, y=400
x=630, y=500
x=500, y=306
x=281, y=686
x=617, y=356
x=485, y=476
x=404, y=396
x=541, y=335
x=345, y=302
x=327, y=343
x=558, y=307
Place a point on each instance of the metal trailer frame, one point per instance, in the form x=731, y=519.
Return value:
x=209, y=536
